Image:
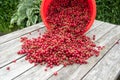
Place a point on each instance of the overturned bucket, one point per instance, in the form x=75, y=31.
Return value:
x=92, y=6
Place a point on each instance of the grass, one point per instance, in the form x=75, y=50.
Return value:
x=107, y=10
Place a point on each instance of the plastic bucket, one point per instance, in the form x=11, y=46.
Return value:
x=44, y=8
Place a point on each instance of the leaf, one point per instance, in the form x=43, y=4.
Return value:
x=20, y=20
x=34, y=19
x=28, y=23
x=11, y=26
x=29, y=12
x=14, y=19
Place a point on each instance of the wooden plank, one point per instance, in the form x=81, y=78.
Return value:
x=82, y=70
x=95, y=24
x=104, y=28
x=54, y=69
x=10, y=50
x=37, y=73
x=108, y=68
x=108, y=40
x=19, y=33
x=16, y=41
x=15, y=69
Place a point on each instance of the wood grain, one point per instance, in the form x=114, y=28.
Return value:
x=108, y=68
x=37, y=73
x=15, y=69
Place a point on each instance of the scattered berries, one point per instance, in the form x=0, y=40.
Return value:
x=117, y=42
x=55, y=73
x=94, y=37
x=35, y=64
x=14, y=61
x=7, y=68
x=29, y=33
x=45, y=69
x=65, y=42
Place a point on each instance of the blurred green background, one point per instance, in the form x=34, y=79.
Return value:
x=7, y=9
x=11, y=15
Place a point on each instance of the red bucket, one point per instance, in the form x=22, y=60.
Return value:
x=44, y=9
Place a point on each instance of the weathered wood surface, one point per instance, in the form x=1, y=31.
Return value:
x=83, y=69
x=10, y=50
x=13, y=56
x=107, y=68
x=106, y=34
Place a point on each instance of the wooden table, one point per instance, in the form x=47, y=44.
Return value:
x=104, y=67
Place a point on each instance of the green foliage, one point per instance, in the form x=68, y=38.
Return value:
x=108, y=10
x=7, y=8
x=27, y=14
